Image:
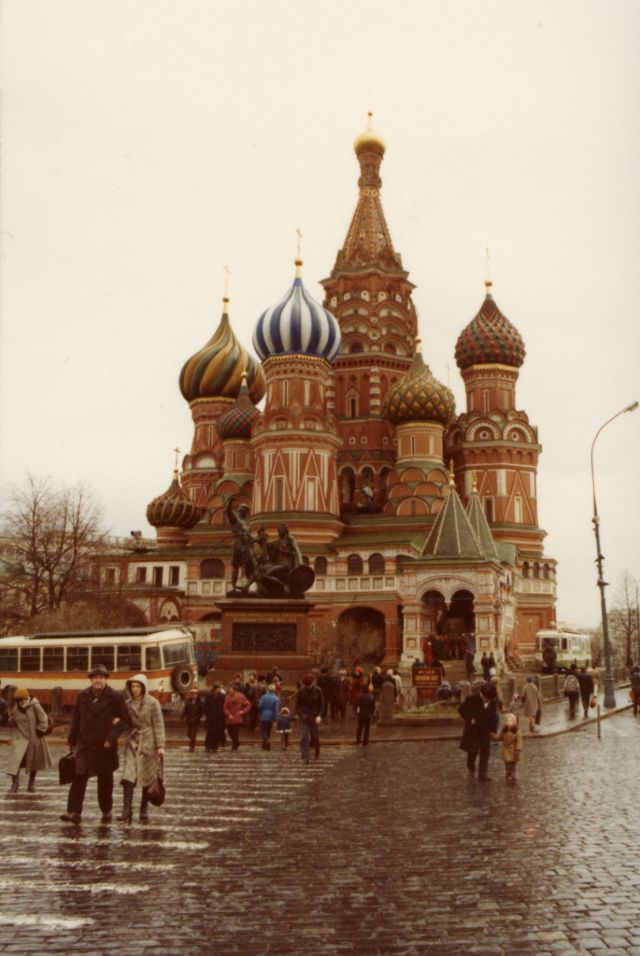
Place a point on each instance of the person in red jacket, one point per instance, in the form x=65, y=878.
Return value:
x=236, y=706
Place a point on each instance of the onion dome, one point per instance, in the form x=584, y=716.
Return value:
x=237, y=422
x=369, y=140
x=490, y=338
x=173, y=509
x=296, y=325
x=419, y=397
x=216, y=370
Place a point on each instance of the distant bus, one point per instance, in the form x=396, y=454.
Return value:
x=557, y=650
x=42, y=662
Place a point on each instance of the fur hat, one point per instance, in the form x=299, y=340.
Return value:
x=21, y=694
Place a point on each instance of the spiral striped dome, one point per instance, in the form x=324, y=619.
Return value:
x=419, y=397
x=296, y=325
x=489, y=339
x=237, y=422
x=216, y=370
x=173, y=509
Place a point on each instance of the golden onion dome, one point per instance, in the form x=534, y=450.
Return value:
x=369, y=139
x=419, y=397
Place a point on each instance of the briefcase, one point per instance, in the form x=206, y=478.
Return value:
x=66, y=768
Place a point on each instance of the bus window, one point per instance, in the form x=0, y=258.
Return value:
x=175, y=654
x=9, y=659
x=53, y=659
x=78, y=659
x=103, y=655
x=153, y=658
x=30, y=659
x=129, y=657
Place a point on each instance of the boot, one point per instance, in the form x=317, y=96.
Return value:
x=127, y=802
x=144, y=814
x=15, y=782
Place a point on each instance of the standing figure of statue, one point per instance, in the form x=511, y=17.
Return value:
x=242, y=553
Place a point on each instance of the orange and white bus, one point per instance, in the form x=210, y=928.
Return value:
x=44, y=662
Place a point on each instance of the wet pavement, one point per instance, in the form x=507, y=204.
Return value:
x=384, y=851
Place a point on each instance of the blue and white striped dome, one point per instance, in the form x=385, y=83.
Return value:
x=297, y=325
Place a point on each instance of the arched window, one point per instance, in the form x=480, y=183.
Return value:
x=355, y=347
x=376, y=564
x=545, y=571
x=536, y=570
x=525, y=569
x=354, y=564
x=488, y=508
x=211, y=568
x=320, y=566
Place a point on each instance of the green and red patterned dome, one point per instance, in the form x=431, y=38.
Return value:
x=489, y=339
x=215, y=371
x=419, y=397
x=173, y=509
x=238, y=421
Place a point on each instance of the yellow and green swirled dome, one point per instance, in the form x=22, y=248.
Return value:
x=215, y=371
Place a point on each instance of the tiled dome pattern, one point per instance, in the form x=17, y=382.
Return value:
x=237, y=422
x=216, y=370
x=490, y=339
x=419, y=397
x=173, y=509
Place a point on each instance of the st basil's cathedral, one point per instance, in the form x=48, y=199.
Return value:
x=417, y=520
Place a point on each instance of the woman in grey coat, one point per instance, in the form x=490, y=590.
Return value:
x=28, y=723
x=143, y=746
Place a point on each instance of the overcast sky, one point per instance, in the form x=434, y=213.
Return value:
x=148, y=143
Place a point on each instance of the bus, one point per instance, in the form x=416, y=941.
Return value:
x=62, y=659
x=557, y=650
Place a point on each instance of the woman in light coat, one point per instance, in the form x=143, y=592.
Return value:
x=28, y=723
x=142, y=746
x=531, y=702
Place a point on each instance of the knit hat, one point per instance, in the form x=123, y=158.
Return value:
x=21, y=694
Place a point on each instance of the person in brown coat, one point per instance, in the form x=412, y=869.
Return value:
x=28, y=723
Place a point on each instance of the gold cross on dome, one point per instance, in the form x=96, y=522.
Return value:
x=177, y=452
x=488, y=265
x=227, y=273
x=299, y=237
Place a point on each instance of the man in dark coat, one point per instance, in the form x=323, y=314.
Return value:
x=365, y=707
x=214, y=719
x=587, y=688
x=309, y=706
x=479, y=714
x=99, y=717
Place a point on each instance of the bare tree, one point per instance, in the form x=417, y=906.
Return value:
x=52, y=535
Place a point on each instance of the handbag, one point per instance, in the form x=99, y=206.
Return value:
x=156, y=791
x=67, y=768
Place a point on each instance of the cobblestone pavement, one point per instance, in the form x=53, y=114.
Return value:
x=386, y=851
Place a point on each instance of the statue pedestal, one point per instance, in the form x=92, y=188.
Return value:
x=259, y=633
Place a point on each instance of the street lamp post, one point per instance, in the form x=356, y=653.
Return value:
x=609, y=686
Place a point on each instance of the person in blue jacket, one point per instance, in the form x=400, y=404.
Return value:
x=269, y=708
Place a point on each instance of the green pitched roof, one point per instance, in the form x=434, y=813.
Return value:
x=481, y=527
x=452, y=535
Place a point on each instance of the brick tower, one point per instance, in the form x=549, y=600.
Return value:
x=370, y=294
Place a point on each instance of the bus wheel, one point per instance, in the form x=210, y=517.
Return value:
x=181, y=678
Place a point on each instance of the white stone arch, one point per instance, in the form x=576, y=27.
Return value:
x=447, y=586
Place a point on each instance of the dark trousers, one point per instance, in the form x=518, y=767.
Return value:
x=234, y=732
x=481, y=749
x=573, y=704
x=265, y=733
x=586, y=700
x=78, y=787
x=309, y=737
x=214, y=738
x=192, y=733
x=362, y=731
